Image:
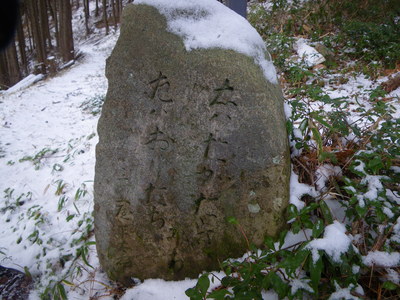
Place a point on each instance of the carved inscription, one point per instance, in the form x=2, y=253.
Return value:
x=216, y=154
x=205, y=225
x=223, y=94
x=149, y=191
x=123, y=212
x=160, y=87
x=158, y=139
x=156, y=195
x=205, y=173
x=155, y=218
x=210, y=140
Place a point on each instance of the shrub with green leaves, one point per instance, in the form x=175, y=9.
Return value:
x=374, y=42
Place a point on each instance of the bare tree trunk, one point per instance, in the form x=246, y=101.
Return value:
x=66, y=38
x=96, y=13
x=114, y=13
x=30, y=31
x=38, y=39
x=105, y=16
x=9, y=66
x=87, y=15
x=120, y=9
x=4, y=80
x=53, y=8
x=22, y=46
x=44, y=20
x=117, y=8
x=13, y=65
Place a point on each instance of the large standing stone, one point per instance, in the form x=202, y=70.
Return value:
x=188, y=139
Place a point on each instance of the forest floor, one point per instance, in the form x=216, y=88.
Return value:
x=47, y=155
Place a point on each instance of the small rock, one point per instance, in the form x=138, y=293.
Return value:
x=326, y=52
x=309, y=54
x=14, y=285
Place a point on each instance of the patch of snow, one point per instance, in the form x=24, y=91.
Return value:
x=297, y=190
x=359, y=290
x=350, y=189
x=204, y=24
x=297, y=134
x=361, y=200
x=374, y=186
x=269, y=295
x=335, y=242
x=298, y=284
x=360, y=167
x=395, y=169
x=288, y=110
x=355, y=269
x=387, y=211
x=393, y=276
x=396, y=231
x=343, y=293
x=393, y=196
x=323, y=173
x=308, y=54
x=382, y=259
x=158, y=289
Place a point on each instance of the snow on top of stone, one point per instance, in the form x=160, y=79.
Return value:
x=310, y=56
x=210, y=24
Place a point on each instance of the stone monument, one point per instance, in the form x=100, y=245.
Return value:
x=192, y=133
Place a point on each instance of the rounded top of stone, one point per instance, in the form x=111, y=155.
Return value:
x=204, y=24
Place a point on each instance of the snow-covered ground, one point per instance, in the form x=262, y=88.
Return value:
x=48, y=138
x=47, y=156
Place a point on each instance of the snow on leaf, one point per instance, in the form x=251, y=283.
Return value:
x=335, y=242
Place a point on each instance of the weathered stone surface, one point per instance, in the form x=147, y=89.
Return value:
x=187, y=140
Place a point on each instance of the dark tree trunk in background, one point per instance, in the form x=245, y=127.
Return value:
x=121, y=6
x=4, y=80
x=53, y=9
x=114, y=12
x=105, y=16
x=44, y=20
x=96, y=13
x=12, y=66
x=22, y=47
x=117, y=7
x=66, y=37
x=87, y=15
x=39, y=42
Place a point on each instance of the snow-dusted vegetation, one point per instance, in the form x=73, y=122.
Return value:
x=343, y=234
